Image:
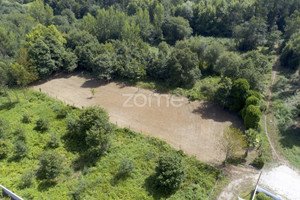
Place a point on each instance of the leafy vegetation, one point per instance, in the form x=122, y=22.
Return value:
x=54, y=170
x=220, y=51
x=284, y=109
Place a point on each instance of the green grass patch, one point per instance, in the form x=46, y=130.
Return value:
x=284, y=120
x=99, y=181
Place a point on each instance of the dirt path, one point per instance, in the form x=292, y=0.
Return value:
x=193, y=127
x=273, y=78
x=278, y=177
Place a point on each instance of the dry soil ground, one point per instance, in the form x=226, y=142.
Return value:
x=193, y=127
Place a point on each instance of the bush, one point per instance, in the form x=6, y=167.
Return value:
x=91, y=129
x=50, y=165
x=26, y=118
x=252, y=100
x=170, y=172
x=20, y=134
x=61, y=111
x=252, y=117
x=53, y=141
x=26, y=179
x=126, y=167
x=21, y=149
x=3, y=149
x=3, y=128
x=262, y=196
x=239, y=94
x=258, y=162
x=42, y=124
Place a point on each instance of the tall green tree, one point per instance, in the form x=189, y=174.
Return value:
x=250, y=34
x=290, y=56
x=223, y=92
x=239, y=94
x=182, y=68
x=41, y=13
x=176, y=28
x=46, y=47
x=228, y=64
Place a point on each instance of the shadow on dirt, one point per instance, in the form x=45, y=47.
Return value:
x=212, y=111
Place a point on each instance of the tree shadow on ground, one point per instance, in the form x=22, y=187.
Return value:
x=118, y=178
x=217, y=113
x=155, y=191
x=44, y=185
x=86, y=157
x=7, y=105
x=290, y=137
x=93, y=83
x=86, y=160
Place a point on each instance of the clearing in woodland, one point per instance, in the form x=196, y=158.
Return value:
x=194, y=127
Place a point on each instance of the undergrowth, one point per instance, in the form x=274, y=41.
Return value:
x=99, y=181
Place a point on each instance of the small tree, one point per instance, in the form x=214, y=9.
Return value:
x=53, y=141
x=169, y=173
x=239, y=94
x=223, y=92
x=22, y=75
x=93, y=92
x=4, y=80
x=3, y=149
x=252, y=117
x=232, y=142
x=26, y=179
x=125, y=168
x=252, y=138
x=26, y=118
x=91, y=129
x=50, y=165
x=21, y=149
x=42, y=124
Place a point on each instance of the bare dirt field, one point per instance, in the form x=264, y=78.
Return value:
x=194, y=127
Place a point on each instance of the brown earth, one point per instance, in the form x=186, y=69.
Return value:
x=194, y=127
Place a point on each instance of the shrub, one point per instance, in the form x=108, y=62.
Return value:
x=50, y=165
x=26, y=118
x=239, y=94
x=149, y=155
x=170, y=172
x=258, y=162
x=3, y=128
x=76, y=194
x=91, y=129
x=3, y=149
x=61, y=111
x=26, y=179
x=53, y=141
x=252, y=117
x=126, y=167
x=20, y=134
x=252, y=100
x=262, y=196
x=21, y=149
x=42, y=124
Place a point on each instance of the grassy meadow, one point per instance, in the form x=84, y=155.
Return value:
x=80, y=180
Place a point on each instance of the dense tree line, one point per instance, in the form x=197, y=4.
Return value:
x=160, y=40
x=173, y=42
